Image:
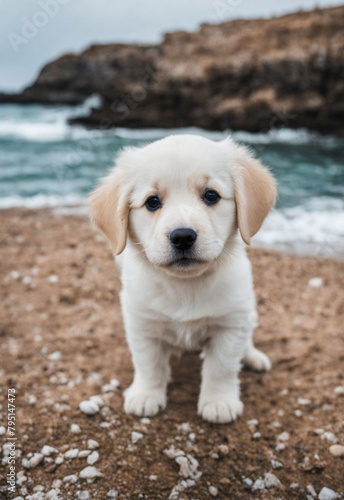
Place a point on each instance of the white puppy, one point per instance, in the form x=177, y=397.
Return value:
x=179, y=211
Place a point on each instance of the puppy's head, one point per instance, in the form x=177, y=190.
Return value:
x=179, y=200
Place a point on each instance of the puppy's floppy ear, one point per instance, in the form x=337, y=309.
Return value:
x=109, y=209
x=254, y=191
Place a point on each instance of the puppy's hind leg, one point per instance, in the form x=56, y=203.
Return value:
x=255, y=359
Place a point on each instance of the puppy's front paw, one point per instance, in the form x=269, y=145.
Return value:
x=257, y=360
x=220, y=410
x=143, y=403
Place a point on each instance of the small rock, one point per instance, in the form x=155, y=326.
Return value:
x=213, y=491
x=92, y=444
x=223, y=449
x=36, y=459
x=84, y=453
x=339, y=391
x=90, y=473
x=55, y=356
x=337, y=450
x=153, y=477
x=315, y=283
x=145, y=421
x=258, y=485
x=98, y=400
x=330, y=437
x=70, y=454
x=93, y=458
x=303, y=402
x=271, y=481
x=108, y=388
x=172, y=452
x=284, y=436
x=53, y=278
x=184, y=428
x=2, y=430
x=310, y=489
x=276, y=464
x=136, y=436
x=48, y=450
x=247, y=483
x=59, y=460
x=83, y=495
x=26, y=463
x=327, y=494
x=72, y=478
x=89, y=407
x=112, y=494
x=75, y=429
x=257, y=435
x=298, y=413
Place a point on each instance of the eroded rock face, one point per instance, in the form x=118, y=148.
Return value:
x=245, y=74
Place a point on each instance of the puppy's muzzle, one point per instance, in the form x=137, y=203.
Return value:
x=182, y=238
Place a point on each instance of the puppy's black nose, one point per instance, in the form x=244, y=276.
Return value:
x=183, y=238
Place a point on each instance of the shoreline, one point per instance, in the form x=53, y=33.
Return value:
x=80, y=210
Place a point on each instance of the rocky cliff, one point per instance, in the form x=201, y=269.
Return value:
x=245, y=74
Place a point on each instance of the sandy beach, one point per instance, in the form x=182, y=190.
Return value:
x=62, y=341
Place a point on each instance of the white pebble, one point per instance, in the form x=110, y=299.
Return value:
x=75, y=429
x=112, y=494
x=93, y=458
x=83, y=495
x=108, y=388
x=310, y=489
x=303, y=401
x=89, y=407
x=73, y=453
x=36, y=459
x=114, y=382
x=337, y=450
x=72, y=478
x=315, y=283
x=213, y=491
x=153, y=477
x=330, y=437
x=258, y=485
x=276, y=464
x=136, y=436
x=26, y=463
x=98, y=400
x=298, y=413
x=284, y=436
x=271, y=481
x=90, y=473
x=55, y=356
x=2, y=430
x=327, y=494
x=53, y=278
x=247, y=483
x=184, y=428
x=48, y=450
x=84, y=453
x=145, y=421
x=339, y=390
x=92, y=444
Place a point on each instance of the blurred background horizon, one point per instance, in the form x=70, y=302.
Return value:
x=77, y=25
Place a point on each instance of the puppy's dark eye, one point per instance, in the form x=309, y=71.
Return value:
x=153, y=203
x=211, y=197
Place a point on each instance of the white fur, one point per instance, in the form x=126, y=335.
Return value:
x=209, y=305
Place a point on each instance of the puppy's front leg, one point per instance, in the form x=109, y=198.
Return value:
x=219, y=399
x=147, y=394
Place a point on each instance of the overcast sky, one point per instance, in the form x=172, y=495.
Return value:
x=34, y=32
